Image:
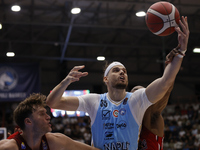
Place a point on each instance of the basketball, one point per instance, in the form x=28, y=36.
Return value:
x=162, y=18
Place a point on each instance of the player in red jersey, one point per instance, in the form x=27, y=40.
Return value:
x=32, y=118
x=152, y=132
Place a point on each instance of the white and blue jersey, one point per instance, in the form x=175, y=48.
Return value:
x=115, y=125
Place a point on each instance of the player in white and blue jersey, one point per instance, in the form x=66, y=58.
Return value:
x=116, y=116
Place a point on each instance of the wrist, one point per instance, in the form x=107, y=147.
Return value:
x=182, y=51
x=180, y=55
x=65, y=82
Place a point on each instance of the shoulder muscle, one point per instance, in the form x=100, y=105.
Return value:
x=8, y=144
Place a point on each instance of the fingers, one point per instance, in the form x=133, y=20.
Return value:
x=179, y=31
x=75, y=74
x=75, y=71
x=76, y=68
x=183, y=34
x=183, y=24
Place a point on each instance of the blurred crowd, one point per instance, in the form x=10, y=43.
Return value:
x=77, y=128
x=182, y=127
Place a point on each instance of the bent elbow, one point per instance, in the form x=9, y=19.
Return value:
x=49, y=103
x=167, y=84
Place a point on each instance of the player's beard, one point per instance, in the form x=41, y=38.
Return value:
x=41, y=128
x=120, y=85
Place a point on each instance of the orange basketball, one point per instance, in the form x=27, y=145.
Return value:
x=161, y=18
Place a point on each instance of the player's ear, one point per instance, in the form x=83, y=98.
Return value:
x=105, y=79
x=27, y=121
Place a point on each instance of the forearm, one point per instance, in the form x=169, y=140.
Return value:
x=171, y=71
x=83, y=146
x=60, y=141
x=55, y=97
x=158, y=88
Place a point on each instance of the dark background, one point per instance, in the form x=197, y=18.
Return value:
x=45, y=32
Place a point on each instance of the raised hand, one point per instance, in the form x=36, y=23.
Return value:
x=75, y=74
x=183, y=34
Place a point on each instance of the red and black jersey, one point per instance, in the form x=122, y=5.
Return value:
x=149, y=141
x=24, y=146
x=13, y=135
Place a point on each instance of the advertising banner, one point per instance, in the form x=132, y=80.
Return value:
x=17, y=81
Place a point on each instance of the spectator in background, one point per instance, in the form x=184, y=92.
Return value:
x=178, y=145
x=196, y=144
x=191, y=142
x=186, y=145
x=87, y=136
x=171, y=145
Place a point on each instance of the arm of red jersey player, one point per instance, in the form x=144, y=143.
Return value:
x=55, y=99
x=62, y=142
x=157, y=89
x=174, y=52
x=153, y=119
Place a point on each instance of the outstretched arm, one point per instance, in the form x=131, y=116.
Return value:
x=61, y=142
x=55, y=99
x=159, y=106
x=157, y=89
